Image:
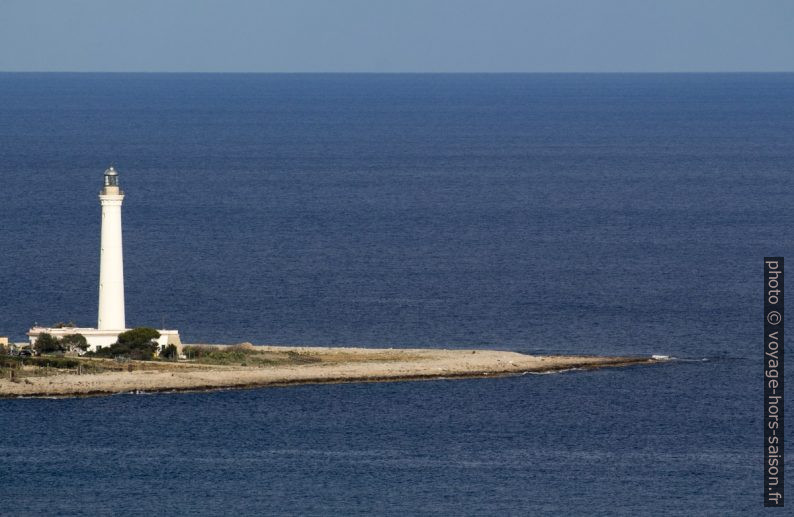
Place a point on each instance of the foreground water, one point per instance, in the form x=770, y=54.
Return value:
x=579, y=214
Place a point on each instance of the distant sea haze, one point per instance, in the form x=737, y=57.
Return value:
x=595, y=214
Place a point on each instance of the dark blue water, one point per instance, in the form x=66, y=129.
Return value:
x=606, y=214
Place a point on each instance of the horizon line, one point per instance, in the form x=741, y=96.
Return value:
x=143, y=72
x=614, y=72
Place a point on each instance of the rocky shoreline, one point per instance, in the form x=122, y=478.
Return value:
x=318, y=365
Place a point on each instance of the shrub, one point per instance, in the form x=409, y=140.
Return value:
x=138, y=336
x=10, y=362
x=169, y=352
x=47, y=343
x=72, y=341
x=142, y=352
x=137, y=343
x=53, y=362
x=217, y=355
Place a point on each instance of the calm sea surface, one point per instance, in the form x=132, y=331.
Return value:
x=603, y=214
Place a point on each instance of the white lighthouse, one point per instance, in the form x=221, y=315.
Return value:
x=111, y=261
x=111, y=321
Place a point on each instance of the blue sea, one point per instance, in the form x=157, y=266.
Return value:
x=586, y=214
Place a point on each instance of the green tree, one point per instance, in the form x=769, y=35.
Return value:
x=169, y=352
x=72, y=341
x=138, y=336
x=47, y=343
x=138, y=343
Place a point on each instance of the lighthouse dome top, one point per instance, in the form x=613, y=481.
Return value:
x=111, y=184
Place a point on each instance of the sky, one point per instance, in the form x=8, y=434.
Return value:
x=397, y=35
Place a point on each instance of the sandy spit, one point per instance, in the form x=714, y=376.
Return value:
x=337, y=365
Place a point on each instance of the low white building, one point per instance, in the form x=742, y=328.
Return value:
x=101, y=338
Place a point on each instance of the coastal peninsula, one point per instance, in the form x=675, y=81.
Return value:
x=112, y=358
x=246, y=366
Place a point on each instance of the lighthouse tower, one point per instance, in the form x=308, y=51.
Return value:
x=111, y=262
x=111, y=280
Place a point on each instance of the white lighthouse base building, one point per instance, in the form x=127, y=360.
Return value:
x=101, y=338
